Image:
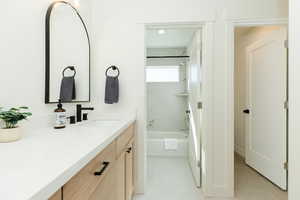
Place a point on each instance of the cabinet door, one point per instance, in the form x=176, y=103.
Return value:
x=129, y=171
x=120, y=176
x=84, y=183
x=106, y=190
x=56, y=196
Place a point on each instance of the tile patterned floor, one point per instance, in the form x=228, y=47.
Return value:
x=170, y=179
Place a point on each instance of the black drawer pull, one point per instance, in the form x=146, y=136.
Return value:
x=247, y=111
x=129, y=150
x=105, y=165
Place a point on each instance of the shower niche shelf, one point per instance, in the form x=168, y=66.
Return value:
x=183, y=94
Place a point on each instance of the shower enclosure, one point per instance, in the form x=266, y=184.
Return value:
x=173, y=83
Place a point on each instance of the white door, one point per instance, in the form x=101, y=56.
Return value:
x=266, y=131
x=194, y=90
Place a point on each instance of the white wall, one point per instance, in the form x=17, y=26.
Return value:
x=294, y=100
x=243, y=38
x=118, y=38
x=165, y=109
x=22, y=52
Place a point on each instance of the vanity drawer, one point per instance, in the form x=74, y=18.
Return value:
x=82, y=185
x=124, y=139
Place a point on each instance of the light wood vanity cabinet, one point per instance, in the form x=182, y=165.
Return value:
x=129, y=170
x=125, y=172
x=121, y=177
x=57, y=195
x=109, y=176
x=106, y=189
x=84, y=184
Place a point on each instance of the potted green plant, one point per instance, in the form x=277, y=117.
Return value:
x=11, y=131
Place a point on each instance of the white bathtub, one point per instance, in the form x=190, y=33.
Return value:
x=156, y=147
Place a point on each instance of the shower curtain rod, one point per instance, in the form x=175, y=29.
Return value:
x=167, y=56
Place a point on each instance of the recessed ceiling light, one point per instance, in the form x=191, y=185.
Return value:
x=161, y=31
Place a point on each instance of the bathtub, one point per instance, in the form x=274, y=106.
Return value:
x=156, y=147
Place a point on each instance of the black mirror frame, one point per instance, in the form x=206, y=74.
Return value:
x=47, y=39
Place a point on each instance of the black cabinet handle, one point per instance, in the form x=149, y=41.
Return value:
x=129, y=150
x=247, y=111
x=85, y=116
x=105, y=165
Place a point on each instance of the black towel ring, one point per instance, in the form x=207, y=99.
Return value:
x=72, y=68
x=113, y=68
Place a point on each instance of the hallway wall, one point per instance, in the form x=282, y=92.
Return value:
x=294, y=100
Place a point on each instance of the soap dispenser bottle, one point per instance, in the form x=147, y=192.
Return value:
x=61, y=118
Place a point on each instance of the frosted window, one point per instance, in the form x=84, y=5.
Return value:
x=162, y=74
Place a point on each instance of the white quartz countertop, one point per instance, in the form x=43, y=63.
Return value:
x=44, y=160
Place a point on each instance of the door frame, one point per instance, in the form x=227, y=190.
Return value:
x=230, y=46
x=207, y=61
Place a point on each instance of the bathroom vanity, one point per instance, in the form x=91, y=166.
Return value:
x=109, y=176
x=87, y=161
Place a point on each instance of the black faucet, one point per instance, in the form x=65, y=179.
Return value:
x=79, y=110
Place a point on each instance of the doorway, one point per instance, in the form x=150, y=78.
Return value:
x=260, y=122
x=173, y=85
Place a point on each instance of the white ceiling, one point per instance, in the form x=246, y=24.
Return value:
x=172, y=38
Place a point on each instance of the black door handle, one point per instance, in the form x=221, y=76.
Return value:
x=129, y=150
x=247, y=111
x=105, y=165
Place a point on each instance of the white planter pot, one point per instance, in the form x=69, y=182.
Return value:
x=10, y=135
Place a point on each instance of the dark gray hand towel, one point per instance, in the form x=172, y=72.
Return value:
x=111, y=90
x=67, y=89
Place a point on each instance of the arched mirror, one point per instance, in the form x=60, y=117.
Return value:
x=67, y=55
